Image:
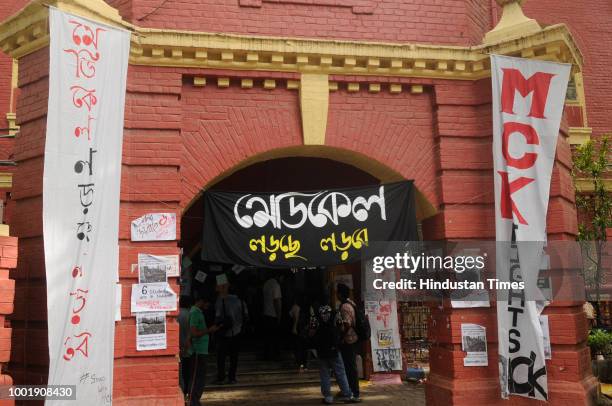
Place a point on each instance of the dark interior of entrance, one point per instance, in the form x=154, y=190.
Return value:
x=284, y=174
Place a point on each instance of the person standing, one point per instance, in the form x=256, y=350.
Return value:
x=185, y=303
x=272, y=308
x=230, y=314
x=349, y=339
x=297, y=314
x=199, y=335
x=326, y=336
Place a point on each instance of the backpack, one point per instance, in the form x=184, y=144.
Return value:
x=362, y=324
x=328, y=334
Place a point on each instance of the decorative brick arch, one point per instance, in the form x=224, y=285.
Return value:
x=227, y=129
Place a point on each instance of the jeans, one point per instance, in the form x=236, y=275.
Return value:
x=325, y=365
x=198, y=378
x=227, y=346
x=301, y=352
x=185, y=374
x=349, y=355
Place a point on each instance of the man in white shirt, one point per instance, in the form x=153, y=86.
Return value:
x=272, y=305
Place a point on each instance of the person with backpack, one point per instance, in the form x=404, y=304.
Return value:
x=350, y=339
x=325, y=332
x=230, y=315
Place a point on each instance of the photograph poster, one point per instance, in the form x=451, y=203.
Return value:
x=474, y=343
x=151, y=331
x=157, y=268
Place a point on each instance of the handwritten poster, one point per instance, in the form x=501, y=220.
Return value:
x=151, y=331
x=148, y=297
x=154, y=227
x=385, y=339
x=157, y=268
x=81, y=181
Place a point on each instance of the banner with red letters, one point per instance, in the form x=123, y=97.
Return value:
x=528, y=99
x=82, y=174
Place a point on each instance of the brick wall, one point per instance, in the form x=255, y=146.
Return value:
x=7, y=8
x=457, y=22
x=591, y=25
x=8, y=260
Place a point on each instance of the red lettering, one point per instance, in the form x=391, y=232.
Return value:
x=539, y=84
x=531, y=138
x=508, y=207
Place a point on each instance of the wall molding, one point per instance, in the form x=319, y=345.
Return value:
x=27, y=31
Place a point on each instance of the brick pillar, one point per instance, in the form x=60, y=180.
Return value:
x=8, y=260
x=463, y=121
x=30, y=353
x=464, y=134
x=150, y=183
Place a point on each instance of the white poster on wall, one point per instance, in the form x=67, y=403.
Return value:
x=157, y=268
x=151, y=331
x=385, y=339
x=154, y=227
x=82, y=173
x=148, y=297
x=474, y=343
x=118, y=298
x=528, y=100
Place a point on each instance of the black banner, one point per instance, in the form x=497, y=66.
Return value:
x=301, y=229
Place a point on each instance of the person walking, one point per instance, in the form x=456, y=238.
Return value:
x=272, y=308
x=185, y=303
x=230, y=315
x=349, y=339
x=298, y=326
x=199, y=335
x=326, y=336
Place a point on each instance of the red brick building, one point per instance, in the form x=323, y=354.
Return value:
x=393, y=89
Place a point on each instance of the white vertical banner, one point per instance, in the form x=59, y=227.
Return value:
x=82, y=174
x=528, y=99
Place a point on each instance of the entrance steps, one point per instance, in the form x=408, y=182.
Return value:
x=255, y=372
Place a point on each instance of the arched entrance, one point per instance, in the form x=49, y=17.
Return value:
x=295, y=173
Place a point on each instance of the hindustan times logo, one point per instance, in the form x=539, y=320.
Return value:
x=459, y=264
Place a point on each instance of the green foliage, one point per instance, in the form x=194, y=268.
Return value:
x=591, y=162
x=601, y=343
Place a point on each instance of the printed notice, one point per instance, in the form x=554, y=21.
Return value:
x=149, y=297
x=474, y=342
x=157, y=268
x=151, y=331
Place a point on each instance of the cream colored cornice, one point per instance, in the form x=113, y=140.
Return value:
x=585, y=185
x=28, y=31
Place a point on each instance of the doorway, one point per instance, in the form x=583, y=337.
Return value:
x=283, y=174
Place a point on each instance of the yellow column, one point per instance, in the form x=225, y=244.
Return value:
x=314, y=103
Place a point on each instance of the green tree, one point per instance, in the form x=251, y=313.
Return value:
x=591, y=163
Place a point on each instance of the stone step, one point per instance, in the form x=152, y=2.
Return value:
x=267, y=378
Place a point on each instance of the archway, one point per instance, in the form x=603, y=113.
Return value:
x=281, y=173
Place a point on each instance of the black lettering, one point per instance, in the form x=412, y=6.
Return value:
x=515, y=343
